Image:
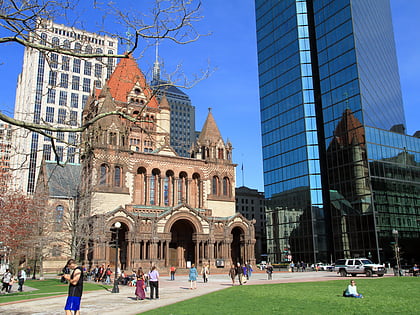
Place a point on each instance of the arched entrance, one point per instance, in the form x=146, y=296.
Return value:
x=122, y=246
x=181, y=247
x=237, y=245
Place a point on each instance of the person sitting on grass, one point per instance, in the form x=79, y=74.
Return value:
x=352, y=291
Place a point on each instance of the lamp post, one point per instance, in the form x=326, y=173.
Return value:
x=115, y=289
x=396, y=250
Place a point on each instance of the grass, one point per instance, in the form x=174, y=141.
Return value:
x=382, y=296
x=45, y=288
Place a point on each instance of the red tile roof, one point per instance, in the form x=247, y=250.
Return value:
x=126, y=74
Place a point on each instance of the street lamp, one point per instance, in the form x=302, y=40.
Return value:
x=115, y=289
x=396, y=250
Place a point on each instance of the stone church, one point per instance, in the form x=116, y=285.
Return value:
x=172, y=210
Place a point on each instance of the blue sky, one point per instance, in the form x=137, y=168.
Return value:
x=232, y=90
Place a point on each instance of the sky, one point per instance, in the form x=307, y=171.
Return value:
x=232, y=89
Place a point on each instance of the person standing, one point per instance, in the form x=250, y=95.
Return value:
x=249, y=270
x=192, y=277
x=172, y=272
x=205, y=272
x=239, y=272
x=108, y=273
x=75, y=288
x=154, y=283
x=101, y=273
x=232, y=274
x=269, y=271
x=140, y=286
x=7, y=278
x=21, y=279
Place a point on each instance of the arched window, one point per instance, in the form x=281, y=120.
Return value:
x=220, y=153
x=66, y=44
x=215, y=185
x=168, y=188
x=182, y=187
x=226, y=186
x=78, y=47
x=88, y=49
x=154, y=187
x=103, y=174
x=112, y=138
x=117, y=176
x=55, y=42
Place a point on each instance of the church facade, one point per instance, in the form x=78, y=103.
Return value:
x=171, y=210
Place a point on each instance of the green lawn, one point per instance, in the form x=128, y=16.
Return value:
x=382, y=296
x=45, y=288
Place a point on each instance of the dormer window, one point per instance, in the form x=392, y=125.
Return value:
x=137, y=91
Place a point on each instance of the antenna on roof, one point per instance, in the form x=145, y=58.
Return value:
x=156, y=65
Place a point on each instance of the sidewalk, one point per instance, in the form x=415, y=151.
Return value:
x=105, y=302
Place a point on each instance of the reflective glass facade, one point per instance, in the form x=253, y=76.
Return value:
x=327, y=71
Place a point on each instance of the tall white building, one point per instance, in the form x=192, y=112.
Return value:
x=52, y=89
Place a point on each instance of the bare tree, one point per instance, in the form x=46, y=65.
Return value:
x=18, y=219
x=171, y=20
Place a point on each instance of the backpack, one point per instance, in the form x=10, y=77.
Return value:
x=108, y=272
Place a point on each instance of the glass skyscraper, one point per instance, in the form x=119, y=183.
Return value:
x=329, y=94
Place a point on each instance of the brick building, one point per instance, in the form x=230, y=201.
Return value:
x=173, y=210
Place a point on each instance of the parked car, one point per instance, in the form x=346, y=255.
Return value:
x=323, y=267
x=355, y=266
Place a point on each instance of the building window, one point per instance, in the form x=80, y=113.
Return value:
x=103, y=174
x=51, y=96
x=88, y=68
x=64, y=81
x=60, y=154
x=215, y=185
x=74, y=101
x=60, y=136
x=61, y=116
x=98, y=84
x=98, y=70
x=226, y=186
x=52, y=80
x=76, y=65
x=73, y=118
x=71, y=154
x=99, y=51
x=78, y=48
x=47, y=152
x=58, y=217
x=72, y=138
x=65, y=63
x=84, y=100
x=86, y=85
x=54, y=61
x=75, y=83
x=112, y=138
x=49, y=114
x=117, y=176
x=62, y=101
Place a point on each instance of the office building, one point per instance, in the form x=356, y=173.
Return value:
x=251, y=204
x=52, y=89
x=5, y=154
x=182, y=112
x=336, y=158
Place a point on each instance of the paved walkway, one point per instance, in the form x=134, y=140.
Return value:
x=105, y=302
